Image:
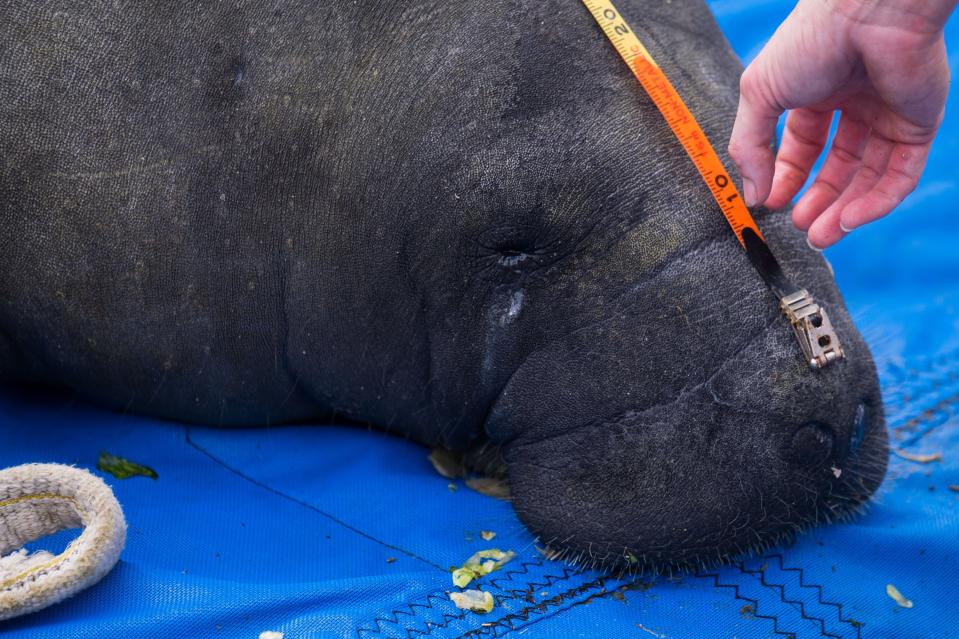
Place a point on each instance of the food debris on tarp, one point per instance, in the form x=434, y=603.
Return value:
x=645, y=629
x=390, y=560
x=954, y=488
x=123, y=468
x=487, y=535
x=490, y=486
x=271, y=634
x=447, y=463
x=475, y=600
x=896, y=596
x=549, y=553
x=918, y=458
x=451, y=487
x=481, y=563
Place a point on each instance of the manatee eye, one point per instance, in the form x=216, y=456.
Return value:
x=511, y=258
x=810, y=445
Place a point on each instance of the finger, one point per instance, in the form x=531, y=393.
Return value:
x=752, y=136
x=804, y=137
x=842, y=162
x=900, y=178
x=825, y=230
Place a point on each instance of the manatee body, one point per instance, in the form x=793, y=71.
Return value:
x=463, y=223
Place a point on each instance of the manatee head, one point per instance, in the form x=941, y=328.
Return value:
x=683, y=425
x=599, y=317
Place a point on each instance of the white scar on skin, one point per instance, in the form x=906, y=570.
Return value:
x=515, y=306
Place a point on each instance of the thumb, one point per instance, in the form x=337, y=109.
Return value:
x=753, y=132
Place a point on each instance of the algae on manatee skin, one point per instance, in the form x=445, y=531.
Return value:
x=123, y=468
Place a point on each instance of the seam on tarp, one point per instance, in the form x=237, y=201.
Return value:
x=378, y=626
x=714, y=577
x=798, y=604
x=508, y=623
x=942, y=408
x=304, y=504
x=856, y=625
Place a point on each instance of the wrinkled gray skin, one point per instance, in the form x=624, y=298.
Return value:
x=456, y=221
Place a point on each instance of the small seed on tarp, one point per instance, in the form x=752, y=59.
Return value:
x=487, y=535
x=896, y=596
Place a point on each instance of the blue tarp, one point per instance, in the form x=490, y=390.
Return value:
x=295, y=528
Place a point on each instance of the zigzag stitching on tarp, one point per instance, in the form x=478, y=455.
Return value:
x=944, y=406
x=410, y=611
x=856, y=625
x=507, y=623
x=925, y=387
x=510, y=595
x=900, y=372
x=392, y=617
x=794, y=602
x=755, y=602
x=549, y=580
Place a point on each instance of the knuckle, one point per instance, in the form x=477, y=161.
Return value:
x=750, y=84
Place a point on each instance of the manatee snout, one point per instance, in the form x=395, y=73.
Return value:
x=614, y=464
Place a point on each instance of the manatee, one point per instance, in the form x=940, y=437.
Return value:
x=463, y=223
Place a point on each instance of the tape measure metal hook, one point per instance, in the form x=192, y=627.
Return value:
x=810, y=322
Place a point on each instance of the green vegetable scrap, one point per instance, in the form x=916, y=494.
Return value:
x=475, y=600
x=481, y=563
x=123, y=468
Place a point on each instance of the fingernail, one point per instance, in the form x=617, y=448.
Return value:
x=749, y=192
x=815, y=248
x=846, y=229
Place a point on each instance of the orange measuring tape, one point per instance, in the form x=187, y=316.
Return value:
x=809, y=321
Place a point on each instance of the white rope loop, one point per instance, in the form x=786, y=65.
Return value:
x=40, y=499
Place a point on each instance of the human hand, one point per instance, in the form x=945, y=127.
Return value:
x=882, y=64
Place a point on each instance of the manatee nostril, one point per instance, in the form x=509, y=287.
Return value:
x=810, y=445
